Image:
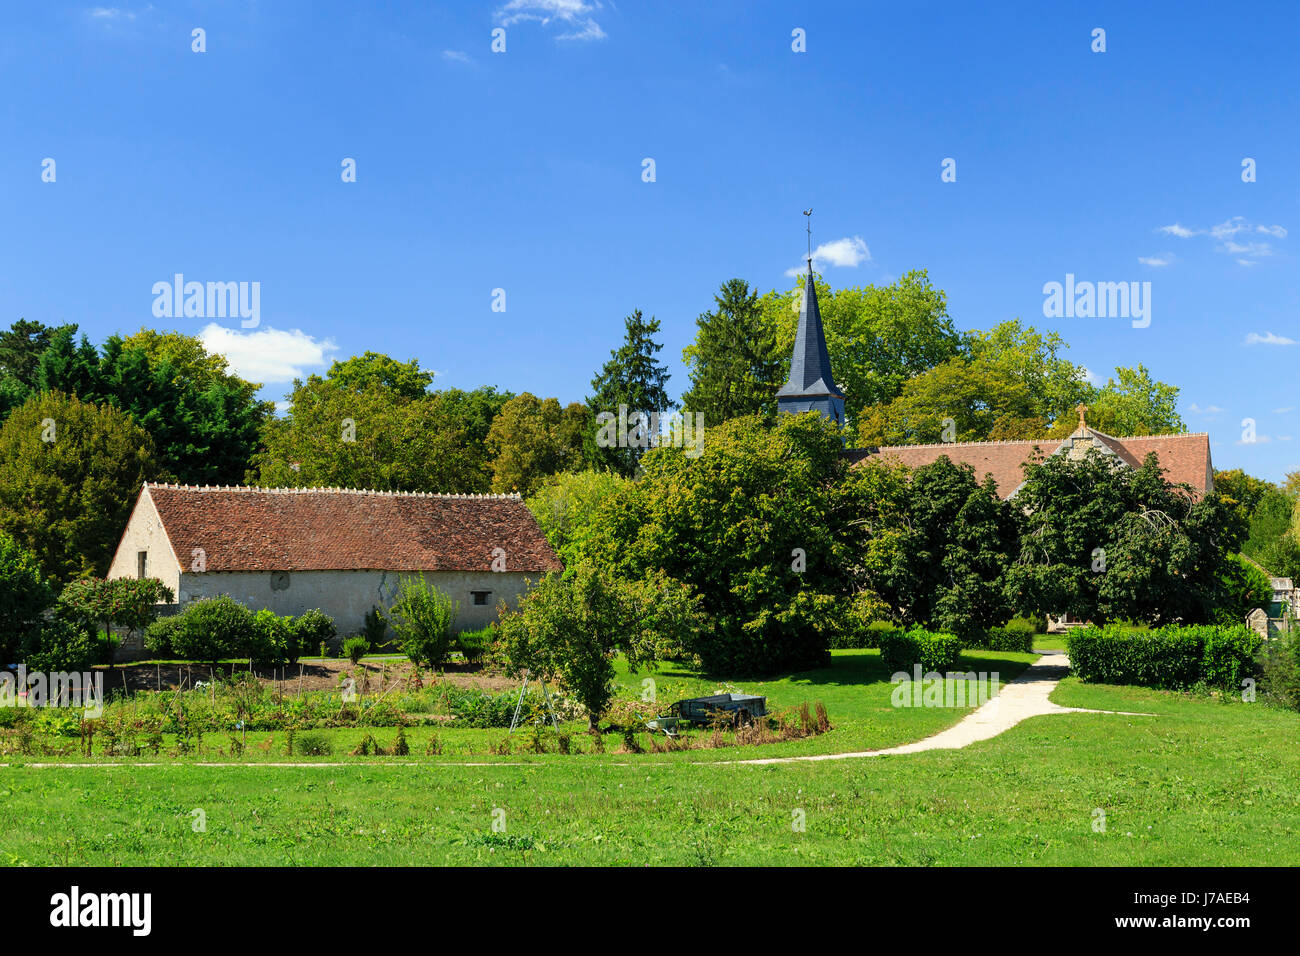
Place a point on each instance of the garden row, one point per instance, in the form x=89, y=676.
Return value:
x=216, y=629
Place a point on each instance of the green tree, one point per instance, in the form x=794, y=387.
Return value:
x=334, y=436
x=69, y=474
x=1103, y=542
x=734, y=365
x=21, y=346
x=565, y=506
x=633, y=378
x=205, y=422
x=570, y=627
x=529, y=441
x=128, y=603
x=751, y=525
x=362, y=372
x=958, y=400
x=25, y=596
x=877, y=336
x=1132, y=403
x=69, y=366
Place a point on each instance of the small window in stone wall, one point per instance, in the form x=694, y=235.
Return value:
x=141, y=564
x=481, y=597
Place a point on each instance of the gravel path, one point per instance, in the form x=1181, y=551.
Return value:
x=1026, y=696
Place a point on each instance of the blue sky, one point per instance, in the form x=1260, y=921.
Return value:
x=522, y=171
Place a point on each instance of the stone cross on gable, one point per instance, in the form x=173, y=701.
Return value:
x=1082, y=410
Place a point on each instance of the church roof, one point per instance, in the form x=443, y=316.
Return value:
x=330, y=529
x=1185, y=459
x=810, y=365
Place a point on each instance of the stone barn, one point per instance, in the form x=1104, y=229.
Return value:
x=340, y=550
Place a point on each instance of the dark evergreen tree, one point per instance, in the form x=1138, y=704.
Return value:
x=735, y=368
x=634, y=379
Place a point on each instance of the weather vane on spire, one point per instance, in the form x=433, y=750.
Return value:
x=808, y=213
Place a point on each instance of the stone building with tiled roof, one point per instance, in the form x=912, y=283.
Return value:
x=337, y=549
x=1184, y=458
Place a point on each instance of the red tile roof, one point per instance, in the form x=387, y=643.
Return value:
x=1185, y=458
x=319, y=529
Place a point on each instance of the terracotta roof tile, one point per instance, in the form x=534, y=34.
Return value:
x=1185, y=458
x=1004, y=460
x=320, y=529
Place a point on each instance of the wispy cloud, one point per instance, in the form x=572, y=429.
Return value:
x=574, y=16
x=267, y=355
x=1207, y=410
x=845, y=253
x=1268, y=338
x=1156, y=261
x=1284, y=410
x=457, y=56
x=1233, y=236
x=111, y=13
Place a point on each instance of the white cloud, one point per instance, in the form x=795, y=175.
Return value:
x=575, y=15
x=1284, y=410
x=1208, y=410
x=1089, y=376
x=457, y=56
x=1247, y=252
x=846, y=253
x=1163, y=259
x=267, y=355
x=1268, y=338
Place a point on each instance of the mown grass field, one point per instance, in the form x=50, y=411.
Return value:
x=1204, y=782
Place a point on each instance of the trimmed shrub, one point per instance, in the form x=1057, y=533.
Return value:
x=1168, y=658
x=866, y=636
x=356, y=648
x=1016, y=635
x=903, y=650
x=212, y=629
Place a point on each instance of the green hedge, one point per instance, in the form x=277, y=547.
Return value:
x=863, y=637
x=903, y=650
x=1009, y=638
x=220, y=628
x=1169, y=658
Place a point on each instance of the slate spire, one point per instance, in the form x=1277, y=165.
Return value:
x=811, y=386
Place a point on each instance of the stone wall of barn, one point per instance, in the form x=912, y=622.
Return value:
x=346, y=596
x=145, y=535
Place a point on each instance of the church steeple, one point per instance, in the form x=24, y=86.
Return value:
x=811, y=386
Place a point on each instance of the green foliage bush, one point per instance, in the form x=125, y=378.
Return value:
x=311, y=630
x=355, y=648
x=475, y=645
x=1170, y=658
x=211, y=629
x=423, y=618
x=865, y=636
x=1016, y=635
x=24, y=598
x=67, y=643
x=934, y=651
x=268, y=639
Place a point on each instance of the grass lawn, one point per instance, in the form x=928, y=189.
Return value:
x=1204, y=782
